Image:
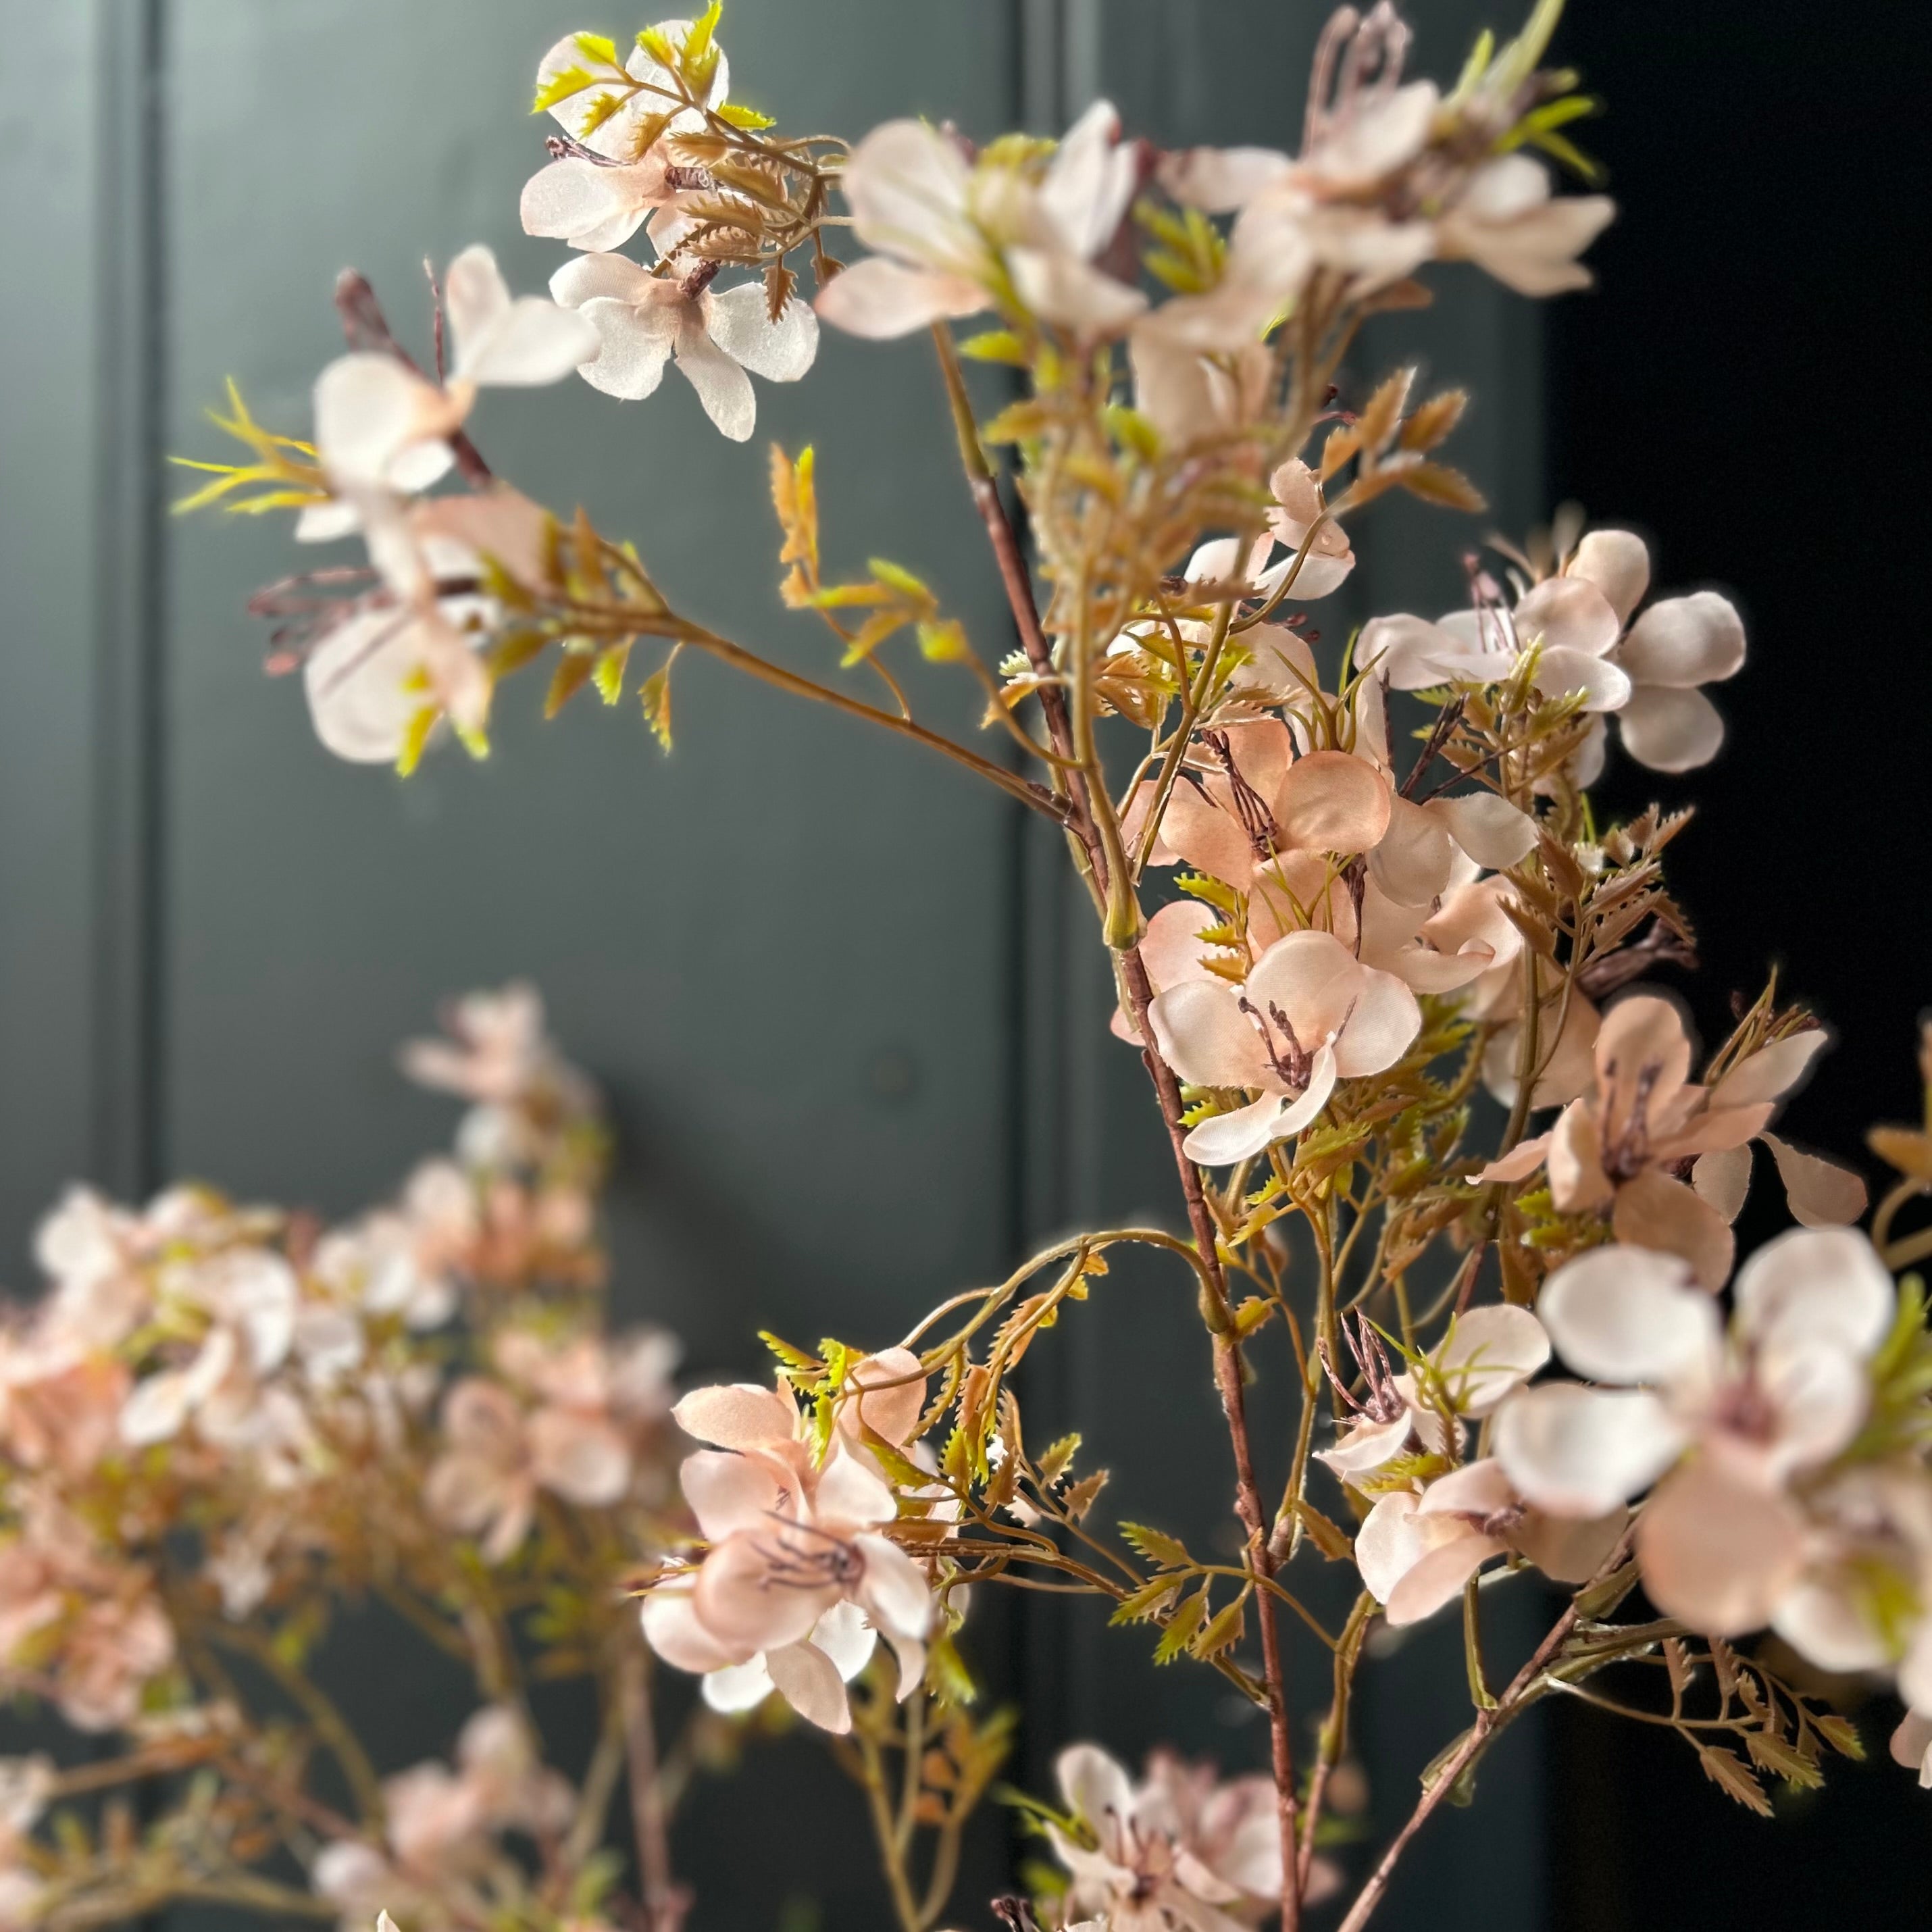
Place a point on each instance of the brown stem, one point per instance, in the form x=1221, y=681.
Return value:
x=1476, y=1739
x=1233, y=1405
x=365, y=327
x=665, y=1900
x=1036, y=798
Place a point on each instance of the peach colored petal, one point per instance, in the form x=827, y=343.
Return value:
x=1654, y=1211
x=1723, y=1178
x=1206, y=1038
x=728, y=1492
x=893, y=1411
x=1567, y=1551
x=1518, y=1164
x=1816, y=1286
x=1493, y=831
x=672, y=1629
x=1820, y=1193
x=1717, y=1553
x=1388, y=1544
x=736, y=1415
x=1772, y=1072
x=1380, y=1027
x=809, y=1682
x=1437, y=1578
x=1333, y=802
x=1413, y=862
x=1568, y=614
x=1577, y=1180
x=741, y=1603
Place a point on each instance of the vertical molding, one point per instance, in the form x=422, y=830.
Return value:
x=131, y=280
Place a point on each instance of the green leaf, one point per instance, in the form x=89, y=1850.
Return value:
x=1054, y=1463
x=1186, y=1619
x=1145, y=1602
x=747, y=118
x=995, y=345
x=1726, y=1770
x=598, y=47
x=560, y=87
x=510, y=654
x=1222, y=1631
x=609, y=675
x=1156, y=1545
x=654, y=694
x=944, y=642
x=896, y=577
x=1842, y=1735
x=1782, y=1760
x=416, y=738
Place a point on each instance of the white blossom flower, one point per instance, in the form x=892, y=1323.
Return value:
x=1721, y=1541
x=1417, y=1548
x=1309, y=1014
x=951, y=238
x=644, y=321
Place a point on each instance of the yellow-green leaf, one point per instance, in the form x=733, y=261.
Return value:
x=747, y=118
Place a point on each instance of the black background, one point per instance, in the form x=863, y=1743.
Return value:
x=1748, y=386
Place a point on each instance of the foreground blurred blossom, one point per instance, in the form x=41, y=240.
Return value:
x=1181, y=1849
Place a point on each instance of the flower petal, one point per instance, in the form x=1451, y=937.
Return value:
x=1206, y=1038
x=879, y=299
x=1617, y=562
x=1437, y=1578
x=728, y=1492
x=891, y=1410
x=1388, y=1544
x=722, y=385
x=1671, y=730
x=1567, y=1551
x=894, y=1591
x=1772, y=1072
x=1820, y=1192
x=738, y=1687
x=1717, y=1553
x=1816, y=1286
x=573, y=197
x=1685, y=641
x=1493, y=831
x=1488, y=1351
x=1606, y=686
x=1567, y=614
x=1333, y=802
x=741, y=1603
x=1654, y=1211
x=1093, y=1786
x=1627, y=1314
x=781, y=351
x=525, y=343
x=1580, y=1452
x=1382, y=1025
x=736, y=1415
x=809, y=1682
x=1416, y=857
x=671, y=1628
x=1072, y=294
x=633, y=345
x=617, y=277
x=1723, y=1178
x=1313, y=979
x=1225, y=1139
x=849, y=1491
x=846, y=1638
x=357, y=681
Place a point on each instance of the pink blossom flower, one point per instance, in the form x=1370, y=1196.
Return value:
x=1619, y=1147
x=1418, y=1547
x=1677, y=646
x=596, y=194
x=644, y=321
x=1487, y=1354
x=1734, y=1422
x=951, y=237
x=1183, y=1850
x=1308, y=1015
x=798, y=1582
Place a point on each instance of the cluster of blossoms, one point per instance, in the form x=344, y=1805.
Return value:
x=1398, y=931
x=217, y=1420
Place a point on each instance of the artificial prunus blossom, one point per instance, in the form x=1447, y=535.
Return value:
x=1347, y=887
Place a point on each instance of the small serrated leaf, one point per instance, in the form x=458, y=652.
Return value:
x=1156, y=1545
x=572, y=674
x=609, y=674
x=1726, y=1770
x=747, y=119
x=1221, y=1632
x=1437, y=483
x=1079, y=1499
x=1145, y=1602
x=1189, y=1615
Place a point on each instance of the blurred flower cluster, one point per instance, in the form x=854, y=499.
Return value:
x=224, y=1427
